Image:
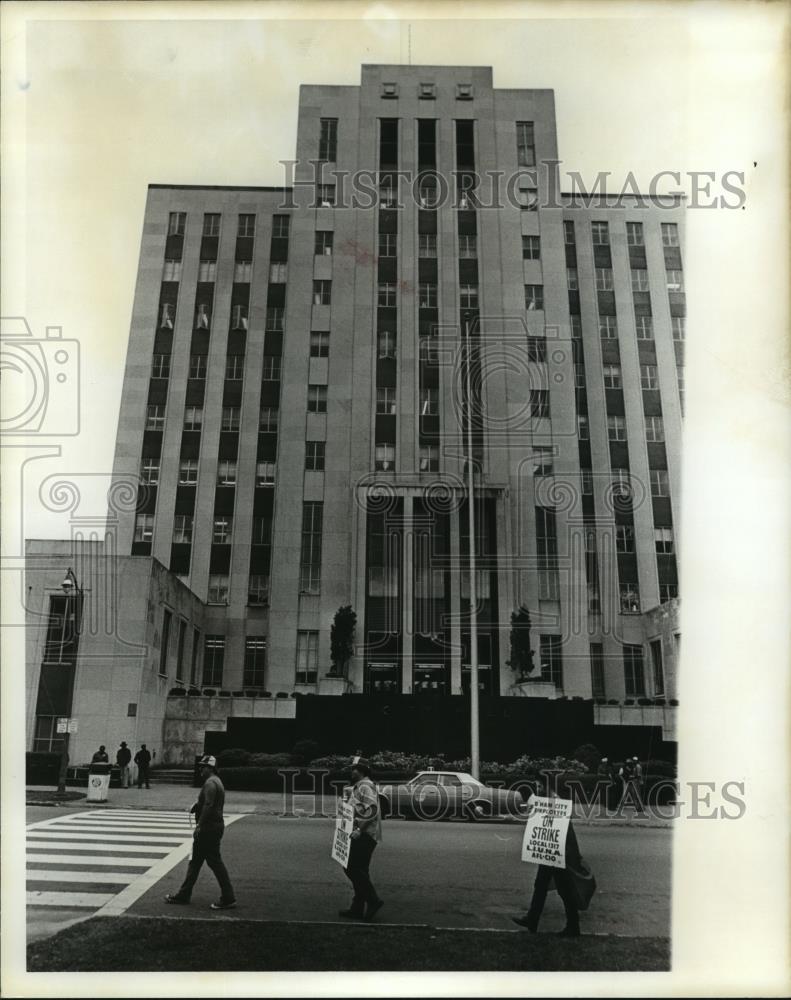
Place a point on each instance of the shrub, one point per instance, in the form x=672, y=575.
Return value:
x=271, y=760
x=589, y=755
x=233, y=757
x=305, y=750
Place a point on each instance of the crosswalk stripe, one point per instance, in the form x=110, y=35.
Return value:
x=169, y=831
x=88, y=859
x=128, y=821
x=117, y=837
x=109, y=878
x=81, y=900
x=70, y=845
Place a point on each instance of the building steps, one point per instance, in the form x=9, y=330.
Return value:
x=173, y=776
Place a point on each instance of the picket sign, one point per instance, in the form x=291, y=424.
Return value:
x=544, y=842
x=343, y=828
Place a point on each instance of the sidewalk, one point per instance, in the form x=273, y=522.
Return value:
x=166, y=796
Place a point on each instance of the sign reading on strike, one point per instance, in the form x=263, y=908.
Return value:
x=341, y=842
x=545, y=833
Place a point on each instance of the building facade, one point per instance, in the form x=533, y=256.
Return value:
x=311, y=368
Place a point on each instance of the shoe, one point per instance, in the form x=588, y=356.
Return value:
x=373, y=909
x=525, y=922
x=175, y=898
x=351, y=913
x=569, y=932
x=224, y=906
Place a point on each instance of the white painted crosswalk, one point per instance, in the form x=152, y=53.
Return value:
x=103, y=860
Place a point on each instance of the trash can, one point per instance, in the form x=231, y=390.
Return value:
x=98, y=782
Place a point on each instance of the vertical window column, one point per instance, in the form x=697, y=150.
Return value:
x=385, y=431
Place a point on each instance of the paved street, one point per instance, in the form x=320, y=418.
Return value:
x=444, y=874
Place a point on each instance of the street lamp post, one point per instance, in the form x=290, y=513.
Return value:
x=73, y=591
x=475, y=752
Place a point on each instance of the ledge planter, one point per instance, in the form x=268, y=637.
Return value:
x=282, y=694
x=225, y=694
x=239, y=694
x=265, y=694
x=613, y=701
x=644, y=701
x=251, y=693
x=177, y=692
x=193, y=691
x=673, y=702
x=628, y=701
x=659, y=701
x=209, y=692
x=600, y=701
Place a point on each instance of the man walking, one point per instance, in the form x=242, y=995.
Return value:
x=143, y=761
x=209, y=828
x=366, y=834
x=123, y=756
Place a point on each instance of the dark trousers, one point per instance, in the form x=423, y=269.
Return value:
x=562, y=880
x=360, y=852
x=142, y=775
x=206, y=847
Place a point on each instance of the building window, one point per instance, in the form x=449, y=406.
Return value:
x=202, y=316
x=182, y=529
x=525, y=144
x=612, y=376
x=678, y=325
x=307, y=667
x=160, y=366
x=634, y=679
x=144, y=527
x=213, y=656
x=468, y=247
x=325, y=195
x=634, y=234
x=675, y=280
x=648, y=377
x=572, y=279
x=539, y=402
x=218, y=589
x=586, y=481
x=583, y=430
x=667, y=592
x=386, y=295
x=234, y=367
x=207, y=270
x=644, y=327
x=534, y=297
x=388, y=245
x=385, y=400
x=660, y=486
x=258, y=589
x=624, y=538
x=243, y=272
x=167, y=316
x=663, y=541
x=246, y=225
x=280, y=224
x=468, y=296
x=427, y=293
x=317, y=399
x=657, y=667
x=386, y=344
x=278, y=273
x=639, y=279
x=167, y=617
x=310, y=558
x=542, y=459
x=428, y=458
x=536, y=349
x=328, y=140
x=597, y=669
x=176, y=223
x=314, y=455
x=579, y=375
x=267, y=419
x=531, y=247
x=680, y=384
x=429, y=402
x=621, y=484
x=600, y=234
x=172, y=270
x=427, y=245
x=197, y=367
x=616, y=428
x=254, y=662
x=384, y=457
x=226, y=472
x=188, y=471
x=551, y=652
x=608, y=328
x=576, y=326
x=527, y=198
x=230, y=418
x=264, y=473
x=428, y=194
x=654, y=429
x=155, y=417
x=319, y=344
x=324, y=241
x=149, y=471
x=211, y=224
x=669, y=234
x=604, y=282
x=222, y=529
x=270, y=368
x=568, y=233
x=629, y=596
x=193, y=418
x=262, y=531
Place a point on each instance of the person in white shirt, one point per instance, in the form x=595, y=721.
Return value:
x=366, y=834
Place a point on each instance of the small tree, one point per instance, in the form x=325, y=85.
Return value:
x=342, y=638
x=521, y=653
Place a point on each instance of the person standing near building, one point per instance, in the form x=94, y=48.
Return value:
x=100, y=757
x=630, y=774
x=123, y=756
x=209, y=828
x=605, y=776
x=143, y=761
x=366, y=834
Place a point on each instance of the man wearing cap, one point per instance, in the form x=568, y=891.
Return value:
x=123, y=756
x=209, y=828
x=366, y=834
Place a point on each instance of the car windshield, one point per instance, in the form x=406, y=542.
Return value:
x=425, y=779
